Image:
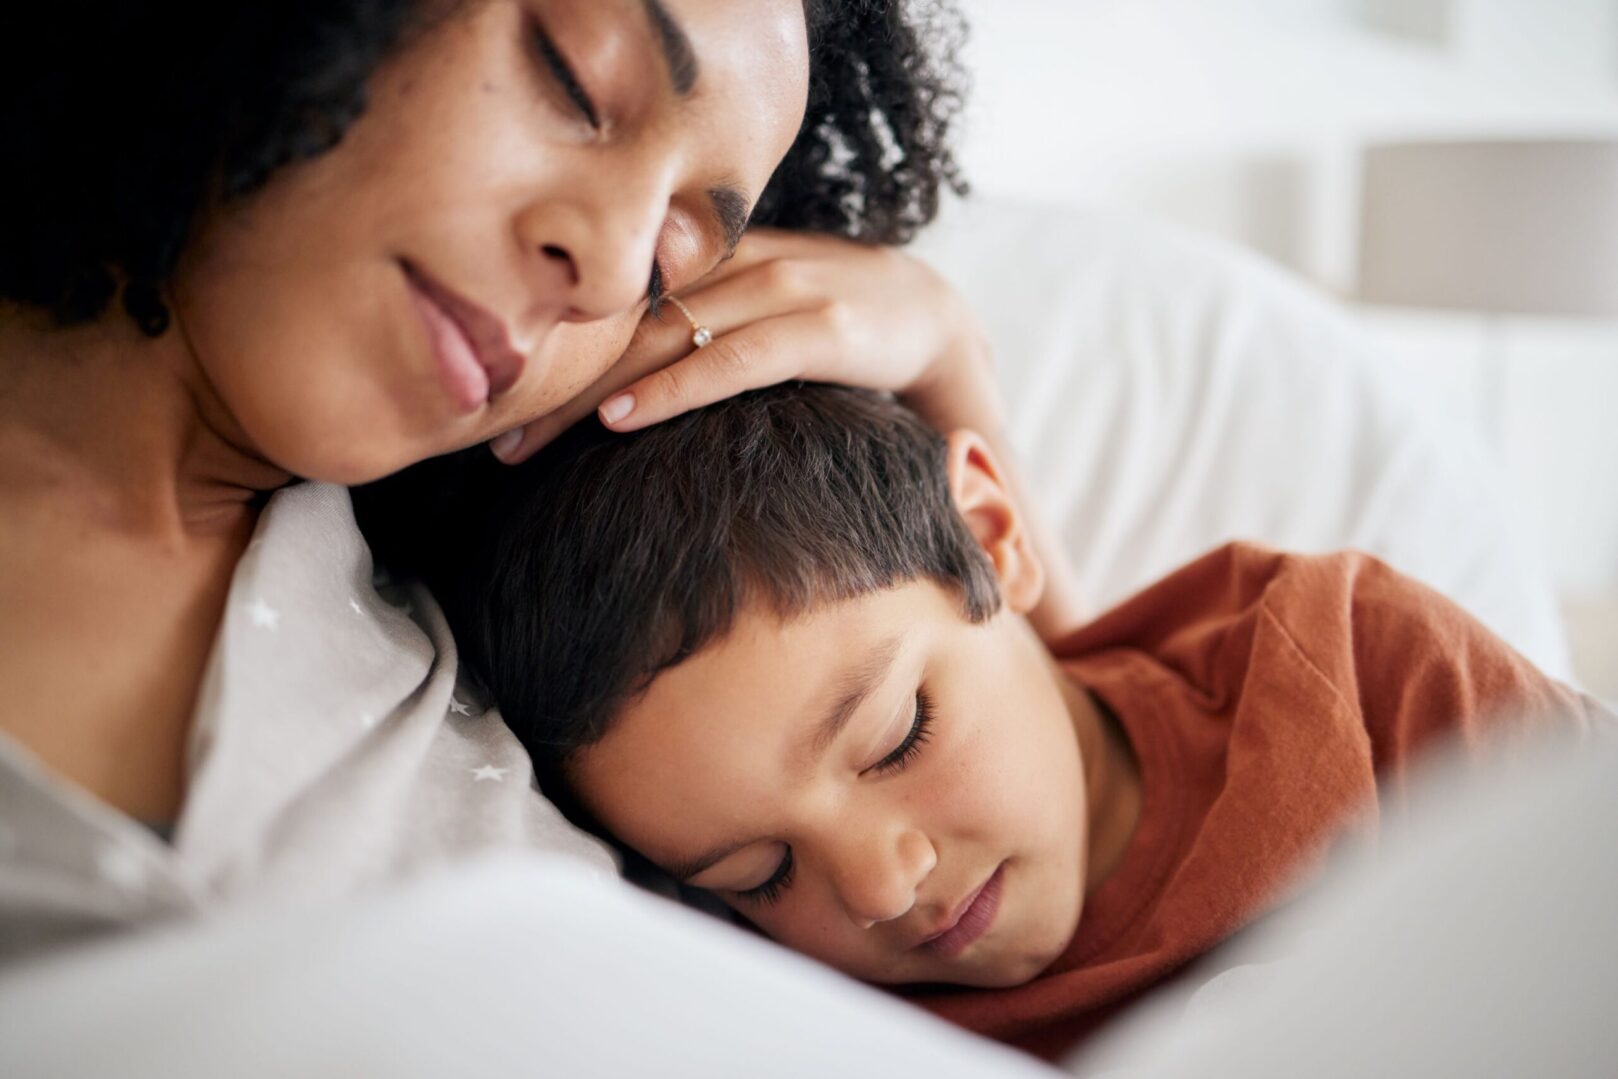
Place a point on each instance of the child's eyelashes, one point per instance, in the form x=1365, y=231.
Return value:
x=902, y=754
x=914, y=739
x=771, y=890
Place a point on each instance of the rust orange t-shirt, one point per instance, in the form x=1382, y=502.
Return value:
x=1266, y=696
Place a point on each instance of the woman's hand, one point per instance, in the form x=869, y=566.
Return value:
x=796, y=306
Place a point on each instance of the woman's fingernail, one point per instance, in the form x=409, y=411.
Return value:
x=505, y=445
x=617, y=408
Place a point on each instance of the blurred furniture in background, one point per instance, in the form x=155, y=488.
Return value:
x=1500, y=229
x=1520, y=227
x=1494, y=228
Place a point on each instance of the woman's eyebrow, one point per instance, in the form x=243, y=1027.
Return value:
x=675, y=46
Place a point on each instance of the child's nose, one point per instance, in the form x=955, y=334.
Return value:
x=879, y=875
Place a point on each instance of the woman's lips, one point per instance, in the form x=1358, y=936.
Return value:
x=971, y=920
x=474, y=352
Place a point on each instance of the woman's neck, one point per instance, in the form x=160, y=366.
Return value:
x=130, y=495
x=124, y=426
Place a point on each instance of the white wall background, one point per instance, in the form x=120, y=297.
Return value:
x=1246, y=118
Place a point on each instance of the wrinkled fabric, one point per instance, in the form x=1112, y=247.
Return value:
x=333, y=748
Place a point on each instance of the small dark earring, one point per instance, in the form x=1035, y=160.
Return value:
x=146, y=307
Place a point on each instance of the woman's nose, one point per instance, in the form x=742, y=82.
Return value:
x=877, y=875
x=595, y=247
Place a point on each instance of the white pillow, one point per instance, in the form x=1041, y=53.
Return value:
x=516, y=966
x=1169, y=392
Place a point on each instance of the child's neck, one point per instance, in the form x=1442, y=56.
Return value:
x=1112, y=781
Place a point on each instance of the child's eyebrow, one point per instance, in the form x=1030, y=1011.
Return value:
x=683, y=871
x=857, y=683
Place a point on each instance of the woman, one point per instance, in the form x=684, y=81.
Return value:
x=319, y=241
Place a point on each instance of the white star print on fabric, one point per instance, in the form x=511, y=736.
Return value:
x=489, y=771
x=120, y=867
x=263, y=615
x=457, y=707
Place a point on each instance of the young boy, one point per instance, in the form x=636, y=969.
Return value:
x=777, y=647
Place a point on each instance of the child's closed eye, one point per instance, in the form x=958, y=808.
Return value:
x=771, y=890
x=908, y=748
x=902, y=754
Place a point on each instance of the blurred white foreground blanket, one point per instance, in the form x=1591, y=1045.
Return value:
x=332, y=749
x=1479, y=940
x=1480, y=943
x=522, y=966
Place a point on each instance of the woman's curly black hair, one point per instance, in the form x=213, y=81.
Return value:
x=121, y=121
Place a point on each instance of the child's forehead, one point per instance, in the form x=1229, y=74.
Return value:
x=774, y=661
x=802, y=651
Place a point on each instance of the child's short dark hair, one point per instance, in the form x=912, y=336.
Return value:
x=572, y=580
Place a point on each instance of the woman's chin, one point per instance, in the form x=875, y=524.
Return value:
x=347, y=453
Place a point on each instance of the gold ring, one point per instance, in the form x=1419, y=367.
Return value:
x=700, y=334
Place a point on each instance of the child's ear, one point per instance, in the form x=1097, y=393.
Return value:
x=984, y=501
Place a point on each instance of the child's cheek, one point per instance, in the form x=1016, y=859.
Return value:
x=820, y=930
x=980, y=773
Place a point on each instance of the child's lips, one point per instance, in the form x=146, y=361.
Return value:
x=970, y=919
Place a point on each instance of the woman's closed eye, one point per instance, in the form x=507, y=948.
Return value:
x=562, y=75
x=561, y=72
x=655, y=289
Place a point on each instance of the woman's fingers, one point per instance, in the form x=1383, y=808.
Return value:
x=761, y=353
x=726, y=303
x=742, y=315
x=746, y=291
x=786, y=306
